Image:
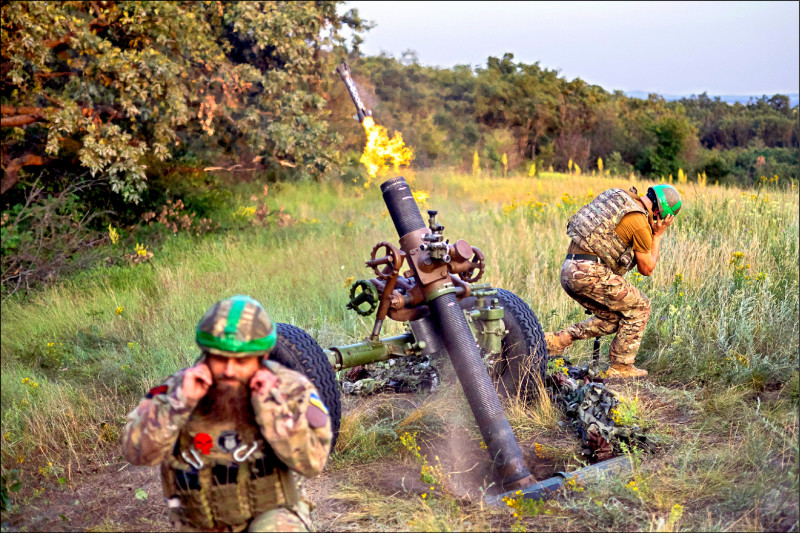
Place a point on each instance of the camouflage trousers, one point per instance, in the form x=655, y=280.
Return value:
x=278, y=519
x=616, y=306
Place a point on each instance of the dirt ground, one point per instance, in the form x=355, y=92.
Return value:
x=104, y=499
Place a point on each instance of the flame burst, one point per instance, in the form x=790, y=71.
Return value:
x=380, y=150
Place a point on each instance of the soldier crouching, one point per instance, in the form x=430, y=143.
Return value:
x=235, y=433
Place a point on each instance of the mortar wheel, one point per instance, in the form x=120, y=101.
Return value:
x=298, y=351
x=522, y=367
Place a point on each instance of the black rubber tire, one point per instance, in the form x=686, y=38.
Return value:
x=298, y=351
x=521, y=370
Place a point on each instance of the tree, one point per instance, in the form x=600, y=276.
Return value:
x=108, y=86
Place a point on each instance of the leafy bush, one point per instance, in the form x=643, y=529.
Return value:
x=112, y=87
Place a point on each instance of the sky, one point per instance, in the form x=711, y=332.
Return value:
x=682, y=48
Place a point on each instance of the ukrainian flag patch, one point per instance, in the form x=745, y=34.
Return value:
x=315, y=400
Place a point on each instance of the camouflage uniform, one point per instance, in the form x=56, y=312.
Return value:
x=616, y=305
x=224, y=476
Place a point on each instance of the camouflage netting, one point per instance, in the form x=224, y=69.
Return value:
x=579, y=391
x=408, y=374
x=594, y=411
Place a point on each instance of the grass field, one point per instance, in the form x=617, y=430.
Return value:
x=721, y=347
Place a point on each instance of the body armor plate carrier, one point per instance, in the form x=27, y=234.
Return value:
x=220, y=477
x=592, y=228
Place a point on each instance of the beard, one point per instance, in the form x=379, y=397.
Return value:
x=225, y=402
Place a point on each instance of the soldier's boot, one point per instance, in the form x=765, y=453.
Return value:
x=557, y=342
x=619, y=370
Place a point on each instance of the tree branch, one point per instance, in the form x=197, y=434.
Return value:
x=19, y=120
x=11, y=110
x=11, y=176
x=40, y=75
x=52, y=43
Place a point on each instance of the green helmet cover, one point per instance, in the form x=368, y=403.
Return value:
x=236, y=327
x=667, y=206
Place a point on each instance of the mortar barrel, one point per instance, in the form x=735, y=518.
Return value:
x=479, y=390
x=452, y=327
x=402, y=206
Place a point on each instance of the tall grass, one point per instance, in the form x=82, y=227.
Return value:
x=719, y=319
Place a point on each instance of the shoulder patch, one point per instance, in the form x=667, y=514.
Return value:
x=315, y=400
x=155, y=391
x=316, y=417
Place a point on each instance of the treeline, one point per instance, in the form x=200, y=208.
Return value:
x=118, y=112
x=533, y=115
x=131, y=93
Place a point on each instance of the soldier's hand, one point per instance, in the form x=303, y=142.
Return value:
x=659, y=226
x=263, y=381
x=196, y=382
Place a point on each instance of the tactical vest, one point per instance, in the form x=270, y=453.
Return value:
x=220, y=476
x=592, y=228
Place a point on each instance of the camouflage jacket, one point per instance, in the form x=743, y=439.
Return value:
x=283, y=415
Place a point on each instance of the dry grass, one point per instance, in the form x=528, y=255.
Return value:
x=722, y=349
x=529, y=419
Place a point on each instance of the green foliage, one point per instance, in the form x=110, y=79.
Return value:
x=746, y=165
x=447, y=114
x=142, y=96
x=616, y=166
x=10, y=483
x=672, y=134
x=111, y=86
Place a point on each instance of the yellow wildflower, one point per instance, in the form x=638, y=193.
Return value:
x=113, y=235
x=349, y=280
x=119, y=310
x=676, y=513
x=141, y=250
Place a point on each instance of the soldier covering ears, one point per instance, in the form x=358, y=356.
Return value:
x=235, y=433
x=613, y=233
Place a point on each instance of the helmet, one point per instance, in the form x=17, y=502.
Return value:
x=236, y=327
x=665, y=198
